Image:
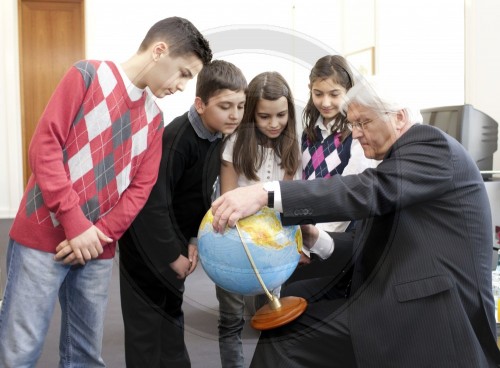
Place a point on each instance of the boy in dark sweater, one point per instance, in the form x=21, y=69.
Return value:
x=159, y=250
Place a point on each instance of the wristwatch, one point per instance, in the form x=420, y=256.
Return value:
x=269, y=188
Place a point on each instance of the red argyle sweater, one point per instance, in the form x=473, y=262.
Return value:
x=94, y=157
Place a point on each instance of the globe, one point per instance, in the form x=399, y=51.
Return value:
x=274, y=248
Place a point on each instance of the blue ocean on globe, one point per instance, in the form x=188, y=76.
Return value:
x=274, y=248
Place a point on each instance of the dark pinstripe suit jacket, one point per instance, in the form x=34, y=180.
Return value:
x=421, y=288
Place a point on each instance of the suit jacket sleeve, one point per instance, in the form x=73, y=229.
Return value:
x=416, y=168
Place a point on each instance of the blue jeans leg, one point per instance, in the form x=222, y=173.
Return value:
x=34, y=280
x=28, y=304
x=231, y=322
x=83, y=297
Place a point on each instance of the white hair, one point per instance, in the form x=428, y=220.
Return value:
x=380, y=97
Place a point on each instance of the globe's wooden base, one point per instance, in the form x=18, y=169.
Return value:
x=267, y=318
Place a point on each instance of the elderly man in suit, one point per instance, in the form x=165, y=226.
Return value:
x=419, y=271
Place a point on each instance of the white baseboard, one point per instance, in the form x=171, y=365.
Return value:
x=7, y=214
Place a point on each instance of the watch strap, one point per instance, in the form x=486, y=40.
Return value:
x=270, y=198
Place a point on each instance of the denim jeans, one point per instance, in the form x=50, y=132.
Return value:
x=231, y=322
x=34, y=281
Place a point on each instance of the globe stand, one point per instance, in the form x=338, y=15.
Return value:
x=277, y=312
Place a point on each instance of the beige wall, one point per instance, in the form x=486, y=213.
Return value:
x=482, y=68
x=398, y=30
x=10, y=119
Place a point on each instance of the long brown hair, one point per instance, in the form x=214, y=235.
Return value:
x=333, y=67
x=248, y=152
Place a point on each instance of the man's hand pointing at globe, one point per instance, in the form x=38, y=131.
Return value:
x=237, y=204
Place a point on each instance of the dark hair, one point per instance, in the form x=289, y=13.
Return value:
x=248, y=152
x=219, y=75
x=182, y=37
x=333, y=67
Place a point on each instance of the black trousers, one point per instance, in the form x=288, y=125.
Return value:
x=318, y=338
x=152, y=315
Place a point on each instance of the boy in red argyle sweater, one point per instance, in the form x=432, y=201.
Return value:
x=94, y=157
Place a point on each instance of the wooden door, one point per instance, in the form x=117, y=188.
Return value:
x=51, y=39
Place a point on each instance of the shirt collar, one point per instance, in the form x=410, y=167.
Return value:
x=198, y=126
x=319, y=123
x=134, y=92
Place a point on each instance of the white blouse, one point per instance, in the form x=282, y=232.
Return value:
x=269, y=170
